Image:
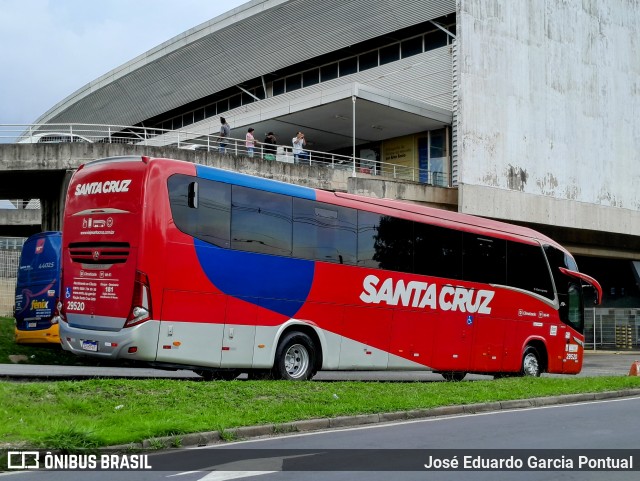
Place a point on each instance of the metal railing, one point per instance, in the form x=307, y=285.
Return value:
x=617, y=329
x=199, y=140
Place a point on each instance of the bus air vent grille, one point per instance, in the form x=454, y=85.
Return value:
x=99, y=252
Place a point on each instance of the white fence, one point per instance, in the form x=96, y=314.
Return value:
x=617, y=329
x=9, y=262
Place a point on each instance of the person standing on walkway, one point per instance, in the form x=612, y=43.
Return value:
x=225, y=131
x=270, y=148
x=298, y=146
x=250, y=142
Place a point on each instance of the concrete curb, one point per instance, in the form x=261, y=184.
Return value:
x=253, y=432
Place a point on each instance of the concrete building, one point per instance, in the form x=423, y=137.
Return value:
x=527, y=109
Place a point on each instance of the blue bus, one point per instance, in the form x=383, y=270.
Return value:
x=38, y=288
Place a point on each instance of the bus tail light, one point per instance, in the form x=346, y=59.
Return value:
x=141, y=303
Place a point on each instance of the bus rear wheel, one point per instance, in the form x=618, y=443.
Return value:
x=295, y=357
x=531, y=363
x=453, y=375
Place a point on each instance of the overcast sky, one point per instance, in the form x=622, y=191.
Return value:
x=51, y=48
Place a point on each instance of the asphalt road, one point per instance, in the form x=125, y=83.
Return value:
x=551, y=435
x=599, y=363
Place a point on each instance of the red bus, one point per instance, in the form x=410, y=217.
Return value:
x=185, y=266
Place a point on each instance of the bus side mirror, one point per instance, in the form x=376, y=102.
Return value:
x=192, y=196
x=588, y=279
x=597, y=300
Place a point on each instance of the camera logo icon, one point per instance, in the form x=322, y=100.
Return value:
x=23, y=460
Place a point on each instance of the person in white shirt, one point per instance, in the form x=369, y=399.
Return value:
x=298, y=146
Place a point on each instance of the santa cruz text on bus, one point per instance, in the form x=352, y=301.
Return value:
x=422, y=294
x=105, y=187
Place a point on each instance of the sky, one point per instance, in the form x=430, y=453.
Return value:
x=51, y=48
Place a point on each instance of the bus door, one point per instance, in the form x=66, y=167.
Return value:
x=571, y=306
x=572, y=313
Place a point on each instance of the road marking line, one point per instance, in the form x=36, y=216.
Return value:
x=224, y=475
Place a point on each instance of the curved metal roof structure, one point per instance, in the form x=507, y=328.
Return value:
x=245, y=43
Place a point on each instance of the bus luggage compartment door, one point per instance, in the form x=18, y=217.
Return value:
x=191, y=328
x=452, y=342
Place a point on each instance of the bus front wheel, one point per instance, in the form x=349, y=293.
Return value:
x=531, y=363
x=295, y=357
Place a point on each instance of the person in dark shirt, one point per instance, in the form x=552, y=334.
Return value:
x=225, y=131
x=270, y=146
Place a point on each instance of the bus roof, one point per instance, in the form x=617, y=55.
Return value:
x=446, y=218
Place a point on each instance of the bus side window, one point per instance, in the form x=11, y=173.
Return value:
x=571, y=308
x=201, y=209
x=438, y=251
x=385, y=242
x=484, y=259
x=324, y=232
x=261, y=221
x=575, y=308
x=527, y=269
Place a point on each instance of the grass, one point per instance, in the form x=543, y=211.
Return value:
x=73, y=415
x=102, y=412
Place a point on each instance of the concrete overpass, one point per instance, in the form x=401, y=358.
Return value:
x=43, y=171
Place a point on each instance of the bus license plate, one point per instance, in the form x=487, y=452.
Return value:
x=32, y=324
x=90, y=345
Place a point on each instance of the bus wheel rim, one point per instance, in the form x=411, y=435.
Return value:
x=296, y=361
x=530, y=364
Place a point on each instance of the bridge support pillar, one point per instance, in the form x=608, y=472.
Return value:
x=52, y=207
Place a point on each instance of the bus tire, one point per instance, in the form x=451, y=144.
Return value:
x=209, y=375
x=531, y=363
x=453, y=375
x=295, y=357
